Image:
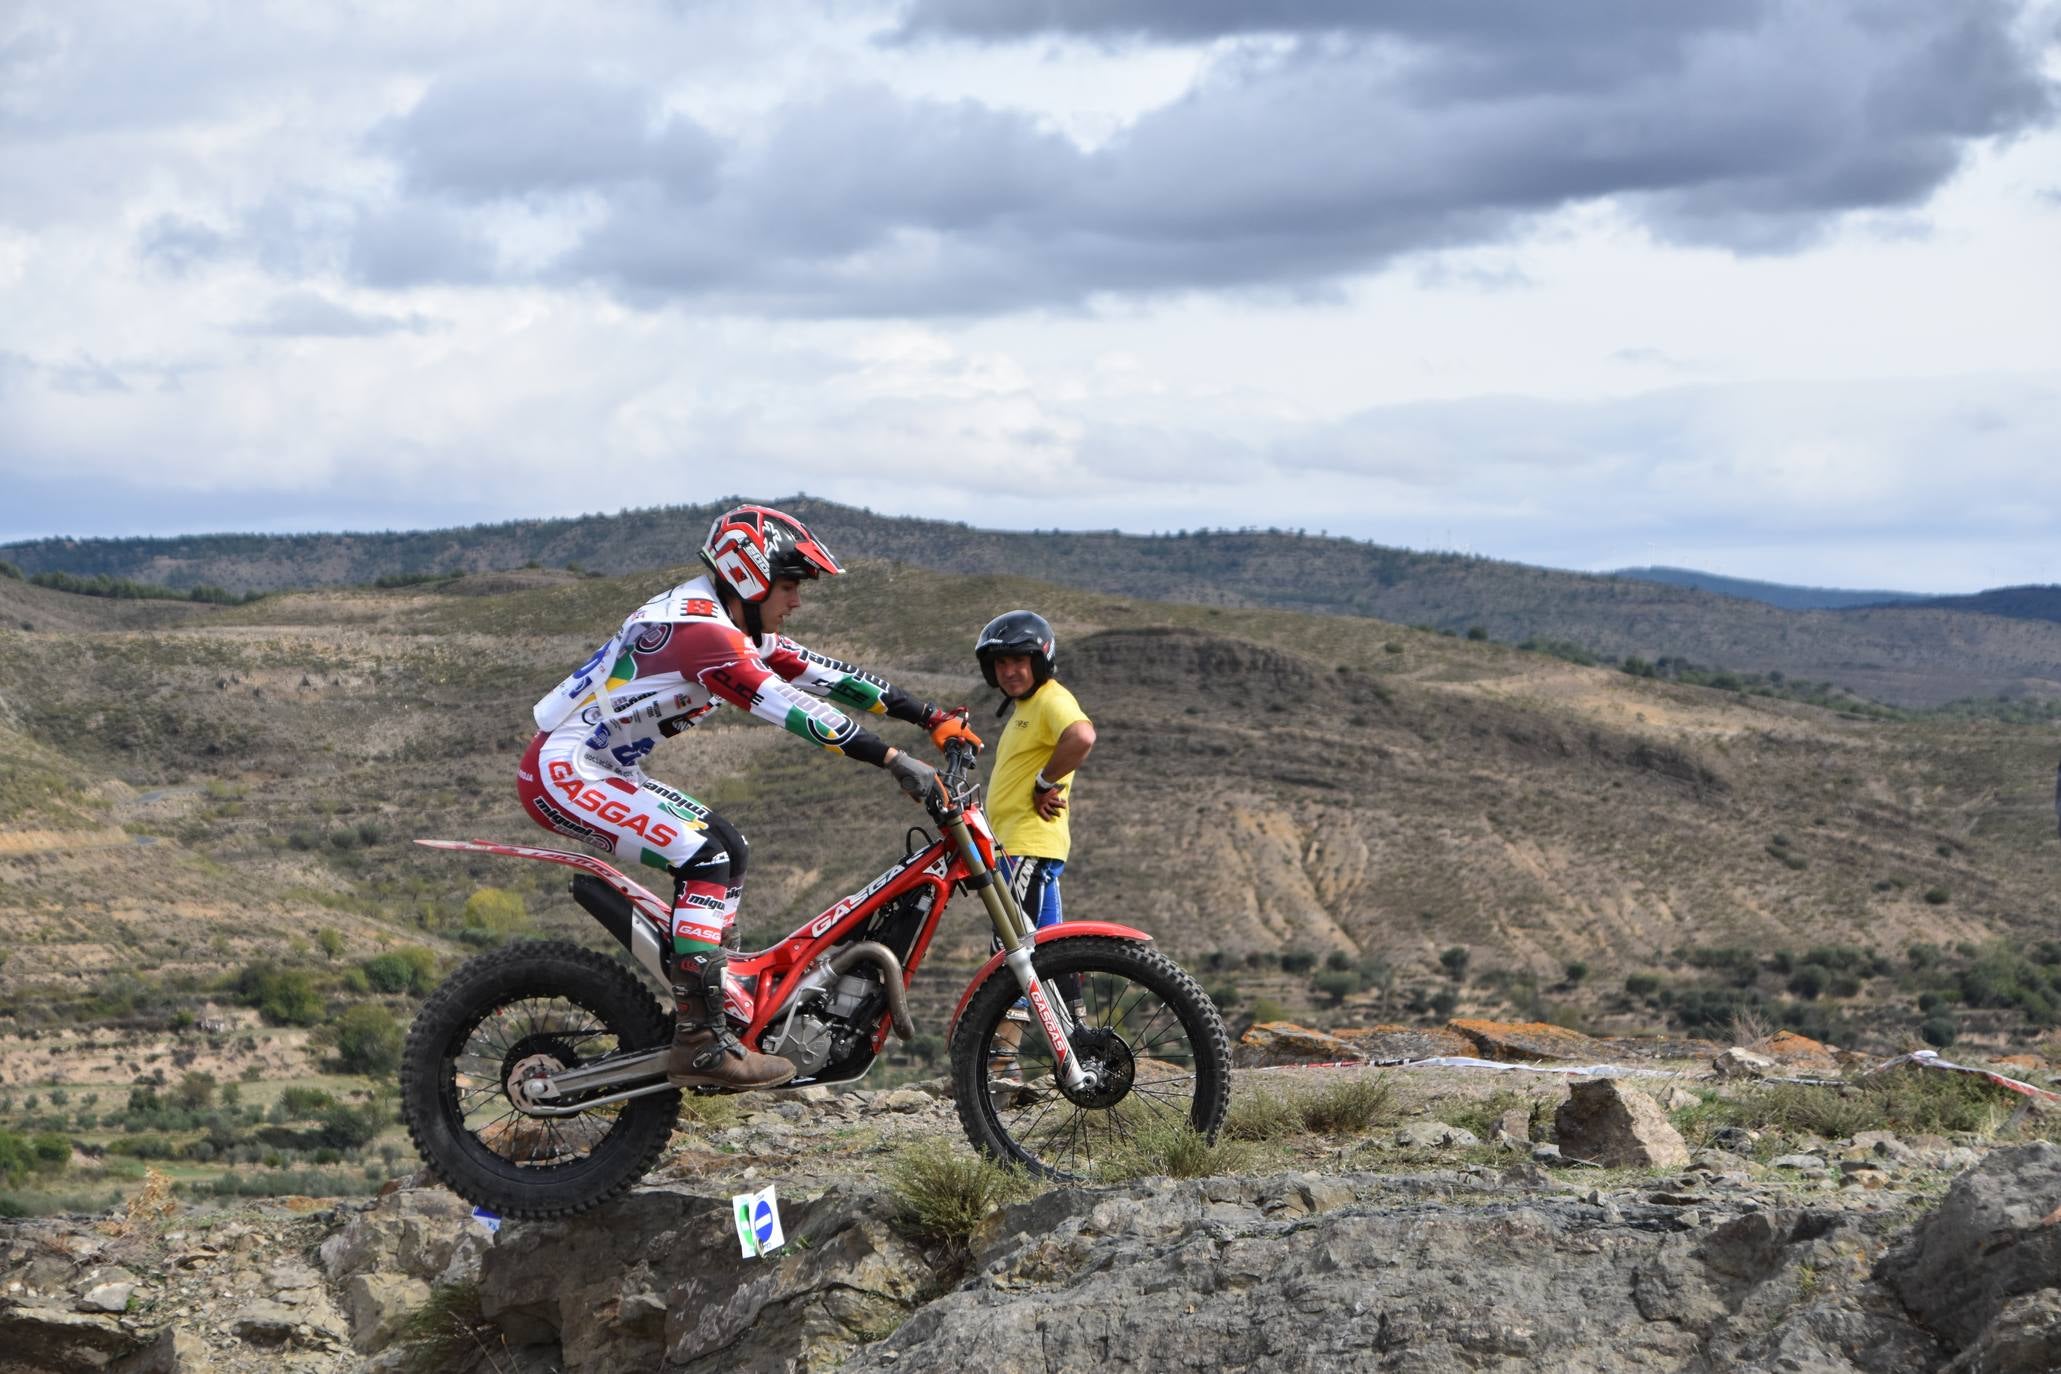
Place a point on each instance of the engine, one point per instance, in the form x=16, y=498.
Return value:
x=828, y=1024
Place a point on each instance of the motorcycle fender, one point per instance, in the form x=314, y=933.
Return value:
x=1065, y=929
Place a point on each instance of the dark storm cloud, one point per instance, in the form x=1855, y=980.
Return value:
x=1323, y=140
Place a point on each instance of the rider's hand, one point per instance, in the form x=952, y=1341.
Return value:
x=915, y=777
x=951, y=728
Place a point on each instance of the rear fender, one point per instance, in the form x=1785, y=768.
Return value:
x=1064, y=930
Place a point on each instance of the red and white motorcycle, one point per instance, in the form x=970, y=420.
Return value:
x=534, y=1077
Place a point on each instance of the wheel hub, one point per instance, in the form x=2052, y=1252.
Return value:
x=1108, y=1064
x=533, y=1060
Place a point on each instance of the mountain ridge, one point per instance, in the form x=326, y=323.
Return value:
x=1917, y=656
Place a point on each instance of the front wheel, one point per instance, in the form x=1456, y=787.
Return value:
x=534, y=1007
x=1152, y=1038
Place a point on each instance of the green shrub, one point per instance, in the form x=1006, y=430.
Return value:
x=367, y=1040
x=286, y=997
x=943, y=1191
x=1939, y=1031
x=1641, y=984
x=1455, y=961
x=411, y=968
x=1336, y=985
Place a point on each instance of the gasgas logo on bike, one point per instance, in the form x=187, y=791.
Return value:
x=592, y=799
x=1049, y=1022
x=838, y=912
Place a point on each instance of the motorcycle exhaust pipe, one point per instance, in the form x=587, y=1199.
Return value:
x=891, y=979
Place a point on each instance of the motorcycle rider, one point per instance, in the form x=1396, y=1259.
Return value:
x=713, y=639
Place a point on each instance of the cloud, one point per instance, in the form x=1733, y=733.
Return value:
x=1289, y=165
x=507, y=131
x=305, y=314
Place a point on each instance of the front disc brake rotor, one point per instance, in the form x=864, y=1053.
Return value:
x=1107, y=1061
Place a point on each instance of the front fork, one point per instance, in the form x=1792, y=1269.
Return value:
x=1018, y=940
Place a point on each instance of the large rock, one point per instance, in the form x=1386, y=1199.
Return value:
x=36, y=1337
x=1407, y=1042
x=1213, y=1274
x=424, y=1233
x=1605, y=1122
x=1995, y=1239
x=655, y=1280
x=1518, y=1041
x=1284, y=1042
x=173, y=1352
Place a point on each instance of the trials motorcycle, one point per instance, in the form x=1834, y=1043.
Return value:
x=533, y=1081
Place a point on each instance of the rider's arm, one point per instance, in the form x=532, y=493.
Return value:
x=823, y=676
x=732, y=671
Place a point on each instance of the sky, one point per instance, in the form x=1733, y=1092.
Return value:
x=1770, y=288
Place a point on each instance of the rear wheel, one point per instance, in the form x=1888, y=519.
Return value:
x=534, y=1007
x=1151, y=1038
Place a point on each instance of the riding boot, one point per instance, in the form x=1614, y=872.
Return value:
x=705, y=1051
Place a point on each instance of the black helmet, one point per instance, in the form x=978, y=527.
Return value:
x=1018, y=632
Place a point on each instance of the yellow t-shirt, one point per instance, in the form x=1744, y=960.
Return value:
x=1035, y=725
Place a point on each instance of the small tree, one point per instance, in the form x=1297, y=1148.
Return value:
x=1455, y=962
x=367, y=1040
x=496, y=910
x=330, y=940
x=196, y=1091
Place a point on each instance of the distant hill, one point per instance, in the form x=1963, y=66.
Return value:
x=1789, y=598
x=1908, y=655
x=2020, y=603
x=194, y=789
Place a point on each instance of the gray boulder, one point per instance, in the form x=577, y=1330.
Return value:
x=1605, y=1122
x=1996, y=1239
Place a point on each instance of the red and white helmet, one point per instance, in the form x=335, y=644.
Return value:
x=750, y=547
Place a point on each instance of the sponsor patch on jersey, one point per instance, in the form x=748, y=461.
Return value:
x=652, y=639
x=571, y=827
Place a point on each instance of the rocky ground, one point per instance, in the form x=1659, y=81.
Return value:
x=1479, y=1221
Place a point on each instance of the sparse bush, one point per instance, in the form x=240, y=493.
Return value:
x=1337, y=986
x=1167, y=1145
x=1267, y=1009
x=1641, y=984
x=1349, y=1107
x=1937, y=896
x=944, y=1191
x=1298, y=961
x=445, y=1332
x=1455, y=961
x=1262, y=1115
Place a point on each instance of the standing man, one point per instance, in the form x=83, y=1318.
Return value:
x=1030, y=783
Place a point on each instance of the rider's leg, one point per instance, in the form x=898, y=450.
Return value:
x=650, y=824
x=705, y=1051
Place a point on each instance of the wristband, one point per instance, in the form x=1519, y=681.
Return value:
x=1043, y=783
